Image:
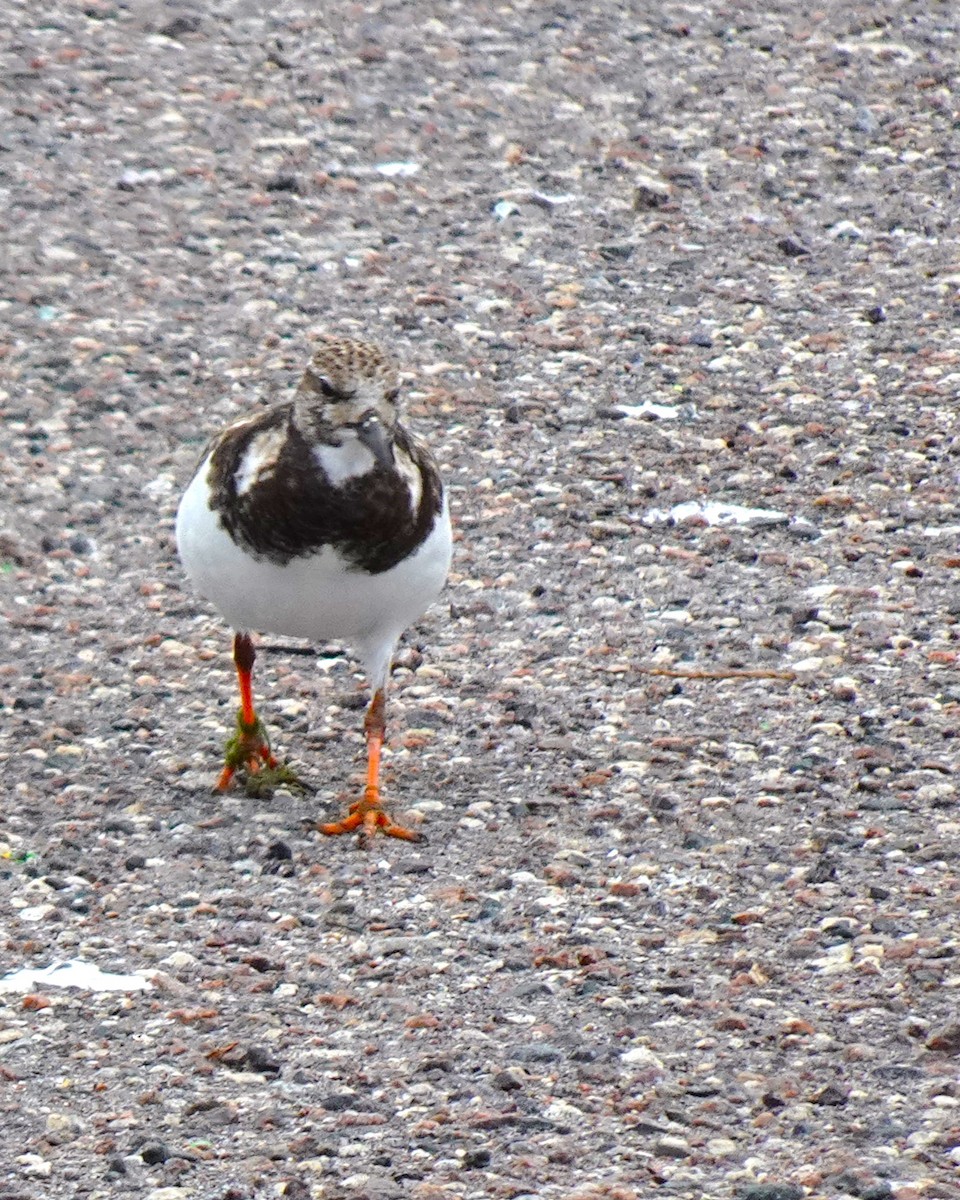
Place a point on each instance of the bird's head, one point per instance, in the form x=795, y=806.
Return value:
x=349, y=390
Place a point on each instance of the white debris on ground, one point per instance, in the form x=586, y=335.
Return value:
x=665, y=412
x=715, y=513
x=74, y=973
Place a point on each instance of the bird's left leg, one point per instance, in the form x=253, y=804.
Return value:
x=367, y=815
x=248, y=749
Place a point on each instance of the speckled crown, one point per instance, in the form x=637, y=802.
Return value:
x=344, y=363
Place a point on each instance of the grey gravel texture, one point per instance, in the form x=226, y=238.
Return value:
x=691, y=934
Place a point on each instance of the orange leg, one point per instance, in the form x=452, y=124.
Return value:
x=368, y=814
x=249, y=748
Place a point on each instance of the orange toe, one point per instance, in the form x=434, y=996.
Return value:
x=368, y=816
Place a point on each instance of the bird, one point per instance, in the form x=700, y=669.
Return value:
x=319, y=517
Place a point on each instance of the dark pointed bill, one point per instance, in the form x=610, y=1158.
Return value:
x=372, y=434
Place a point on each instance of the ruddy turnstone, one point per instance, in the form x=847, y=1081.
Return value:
x=320, y=517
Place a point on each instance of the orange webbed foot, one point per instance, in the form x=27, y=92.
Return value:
x=367, y=816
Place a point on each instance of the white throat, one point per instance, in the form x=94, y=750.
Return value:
x=344, y=462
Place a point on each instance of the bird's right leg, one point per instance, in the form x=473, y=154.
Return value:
x=248, y=749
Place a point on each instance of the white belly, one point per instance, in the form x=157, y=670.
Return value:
x=320, y=597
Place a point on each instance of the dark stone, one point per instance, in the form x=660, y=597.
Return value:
x=154, y=1153
x=179, y=26
x=119, y=825
x=413, y=866
x=771, y=1191
x=675, y=989
x=823, y=871
x=476, y=1159
x=437, y=1064
x=617, y=250
x=262, y=964
x=651, y=194
x=882, y=804
x=697, y=841
x=792, y=248
x=284, y=183
x=898, y=1071
x=489, y=910
x=257, y=1059
x=527, y=991
x=845, y=1182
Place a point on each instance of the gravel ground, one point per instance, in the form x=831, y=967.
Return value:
x=686, y=920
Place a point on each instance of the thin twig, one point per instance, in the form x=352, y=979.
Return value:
x=722, y=673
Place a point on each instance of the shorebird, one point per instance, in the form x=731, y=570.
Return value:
x=320, y=517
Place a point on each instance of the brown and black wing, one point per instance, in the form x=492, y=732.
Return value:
x=290, y=509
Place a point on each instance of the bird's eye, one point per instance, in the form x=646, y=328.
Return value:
x=326, y=387
x=392, y=394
